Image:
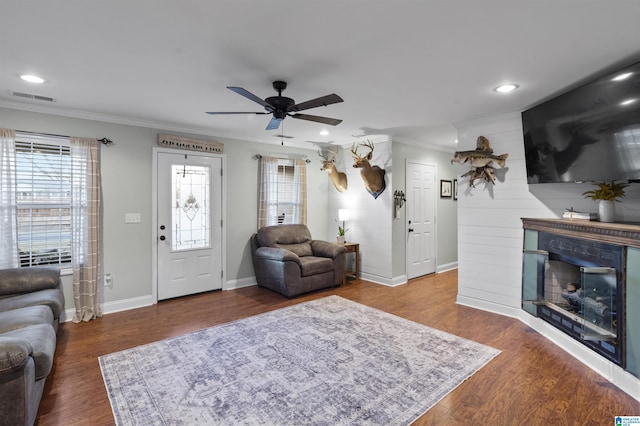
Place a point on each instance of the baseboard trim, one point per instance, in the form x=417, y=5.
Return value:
x=446, y=267
x=239, y=283
x=115, y=306
x=488, y=306
x=389, y=282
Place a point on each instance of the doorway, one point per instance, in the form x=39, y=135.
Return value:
x=421, y=229
x=188, y=223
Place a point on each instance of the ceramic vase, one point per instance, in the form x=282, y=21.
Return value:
x=607, y=211
x=340, y=239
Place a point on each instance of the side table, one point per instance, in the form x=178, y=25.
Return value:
x=355, y=249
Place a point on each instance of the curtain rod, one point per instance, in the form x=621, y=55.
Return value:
x=300, y=157
x=104, y=141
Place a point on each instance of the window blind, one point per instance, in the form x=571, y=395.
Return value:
x=43, y=196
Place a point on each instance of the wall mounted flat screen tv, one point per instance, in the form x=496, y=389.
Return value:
x=591, y=133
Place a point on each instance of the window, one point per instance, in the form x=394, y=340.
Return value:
x=286, y=188
x=43, y=199
x=283, y=193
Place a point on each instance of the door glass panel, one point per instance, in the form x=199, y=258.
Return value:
x=190, y=205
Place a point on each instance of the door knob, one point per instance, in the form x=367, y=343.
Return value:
x=410, y=229
x=162, y=238
x=162, y=227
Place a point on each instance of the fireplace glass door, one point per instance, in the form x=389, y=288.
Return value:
x=573, y=295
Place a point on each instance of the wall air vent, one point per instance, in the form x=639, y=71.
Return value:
x=32, y=96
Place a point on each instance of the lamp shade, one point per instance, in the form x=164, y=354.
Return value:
x=343, y=215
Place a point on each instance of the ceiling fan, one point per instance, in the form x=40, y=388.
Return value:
x=281, y=106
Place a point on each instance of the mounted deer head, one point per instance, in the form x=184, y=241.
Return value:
x=338, y=179
x=373, y=176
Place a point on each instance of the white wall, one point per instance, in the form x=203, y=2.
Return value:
x=370, y=219
x=490, y=235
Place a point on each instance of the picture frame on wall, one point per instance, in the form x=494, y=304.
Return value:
x=445, y=188
x=455, y=189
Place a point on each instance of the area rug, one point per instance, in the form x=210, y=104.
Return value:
x=326, y=362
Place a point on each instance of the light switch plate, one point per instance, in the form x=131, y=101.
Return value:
x=132, y=218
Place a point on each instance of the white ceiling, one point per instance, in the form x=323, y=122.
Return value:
x=406, y=69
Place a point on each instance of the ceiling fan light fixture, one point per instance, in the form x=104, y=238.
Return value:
x=506, y=88
x=32, y=78
x=324, y=132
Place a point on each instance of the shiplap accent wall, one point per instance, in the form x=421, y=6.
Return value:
x=370, y=219
x=489, y=216
x=490, y=235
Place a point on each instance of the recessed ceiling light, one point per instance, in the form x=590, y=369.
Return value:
x=324, y=132
x=622, y=76
x=32, y=78
x=506, y=88
x=627, y=102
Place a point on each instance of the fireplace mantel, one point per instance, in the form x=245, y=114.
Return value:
x=625, y=234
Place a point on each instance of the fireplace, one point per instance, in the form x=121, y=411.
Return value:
x=578, y=290
x=576, y=282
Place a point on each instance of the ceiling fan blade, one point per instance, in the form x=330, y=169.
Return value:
x=317, y=119
x=317, y=102
x=249, y=95
x=225, y=112
x=274, y=123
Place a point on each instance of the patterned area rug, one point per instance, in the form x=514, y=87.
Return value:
x=326, y=362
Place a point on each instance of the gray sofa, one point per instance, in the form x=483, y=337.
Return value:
x=287, y=260
x=31, y=302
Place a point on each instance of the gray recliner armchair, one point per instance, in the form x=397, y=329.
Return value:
x=287, y=260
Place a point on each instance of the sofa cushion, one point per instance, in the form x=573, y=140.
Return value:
x=14, y=355
x=295, y=238
x=311, y=265
x=302, y=249
x=23, y=317
x=269, y=236
x=42, y=339
x=26, y=280
x=52, y=298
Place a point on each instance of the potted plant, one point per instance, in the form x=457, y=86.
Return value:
x=341, y=231
x=606, y=194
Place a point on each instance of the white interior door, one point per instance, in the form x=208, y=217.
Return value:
x=189, y=224
x=421, y=203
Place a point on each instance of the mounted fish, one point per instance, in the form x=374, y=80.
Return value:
x=481, y=161
x=478, y=158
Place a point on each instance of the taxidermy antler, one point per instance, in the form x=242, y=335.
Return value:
x=373, y=176
x=338, y=179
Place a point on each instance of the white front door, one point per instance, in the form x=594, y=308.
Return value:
x=189, y=224
x=421, y=203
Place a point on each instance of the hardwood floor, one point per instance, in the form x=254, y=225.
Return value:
x=532, y=382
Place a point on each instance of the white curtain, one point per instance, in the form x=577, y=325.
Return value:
x=8, y=222
x=268, y=198
x=300, y=192
x=86, y=228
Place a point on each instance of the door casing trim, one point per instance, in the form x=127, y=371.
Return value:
x=154, y=213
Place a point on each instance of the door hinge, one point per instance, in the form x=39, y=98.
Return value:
x=221, y=274
x=221, y=170
x=221, y=225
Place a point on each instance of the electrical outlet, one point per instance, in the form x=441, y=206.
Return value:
x=108, y=281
